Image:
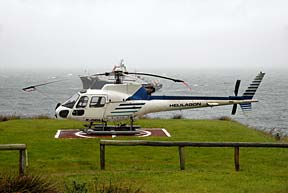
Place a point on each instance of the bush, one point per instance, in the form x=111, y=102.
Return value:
x=8, y=117
x=95, y=187
x=114, y=188
x=14, y=117
x=76, y=188
x=41, y=184
x=25, y=184
x=225, y=118
x=41, y=117
x=177, y=116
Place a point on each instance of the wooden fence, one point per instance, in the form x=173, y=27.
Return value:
x=183, y=144
x=23, y=159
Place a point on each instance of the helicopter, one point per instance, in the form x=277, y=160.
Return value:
x=127, y=101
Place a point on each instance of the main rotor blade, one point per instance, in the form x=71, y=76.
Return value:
x=33, y=87
x=237, y=85
x=154, y=75
x=103, y=74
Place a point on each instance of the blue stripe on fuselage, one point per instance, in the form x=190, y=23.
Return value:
x=193, y=98
x=141, y=94
x=186, y=98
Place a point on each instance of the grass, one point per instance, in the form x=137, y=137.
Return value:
x=153, y=169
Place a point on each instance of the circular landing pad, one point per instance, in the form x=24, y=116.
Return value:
x=144, y=132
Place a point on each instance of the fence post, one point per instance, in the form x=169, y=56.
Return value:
x=236, y=158
x=182, y=157
x=102, y=156
x=22, y=160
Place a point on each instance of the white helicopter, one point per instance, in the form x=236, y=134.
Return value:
x=128, y=100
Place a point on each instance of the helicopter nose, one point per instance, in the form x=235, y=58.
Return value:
x=58, y=104
x=57, y=111
x=61, y=112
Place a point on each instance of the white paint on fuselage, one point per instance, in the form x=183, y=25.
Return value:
x=118, y=108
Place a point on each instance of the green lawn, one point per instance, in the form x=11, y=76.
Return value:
x=154, y=169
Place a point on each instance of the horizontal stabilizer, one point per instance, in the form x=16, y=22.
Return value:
x=246, y=107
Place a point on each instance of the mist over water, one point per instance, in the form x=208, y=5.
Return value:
x=270, y=112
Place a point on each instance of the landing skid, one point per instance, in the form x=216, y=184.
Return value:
x=104, y=129
x=112, y=132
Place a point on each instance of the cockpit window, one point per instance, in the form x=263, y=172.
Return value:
x=97, y=101
x=82, y=103
x=71, y=101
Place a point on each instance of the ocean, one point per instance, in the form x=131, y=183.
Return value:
x=270, y=114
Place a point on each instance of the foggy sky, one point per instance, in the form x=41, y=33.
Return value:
x=95, y=34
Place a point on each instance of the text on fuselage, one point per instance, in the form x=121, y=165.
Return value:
x=198, y=104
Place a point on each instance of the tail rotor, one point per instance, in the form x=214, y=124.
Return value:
x=237, y=85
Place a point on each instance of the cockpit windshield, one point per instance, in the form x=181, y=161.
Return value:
x=71, y=101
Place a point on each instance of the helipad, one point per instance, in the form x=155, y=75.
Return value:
x=144, y=132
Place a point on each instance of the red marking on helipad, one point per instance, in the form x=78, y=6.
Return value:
x=144, y=132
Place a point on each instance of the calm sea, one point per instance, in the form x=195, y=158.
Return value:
x=269, y=114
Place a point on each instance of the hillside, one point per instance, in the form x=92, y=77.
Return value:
x=153, y=169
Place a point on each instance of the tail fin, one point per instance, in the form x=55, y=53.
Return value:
x=251, y=90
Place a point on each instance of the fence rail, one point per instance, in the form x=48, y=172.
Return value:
x=182, y=144
x=23, y=159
